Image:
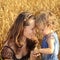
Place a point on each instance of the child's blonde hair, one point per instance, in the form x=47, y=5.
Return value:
x=47, y=18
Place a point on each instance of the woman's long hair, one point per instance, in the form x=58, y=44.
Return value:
x=16, y=31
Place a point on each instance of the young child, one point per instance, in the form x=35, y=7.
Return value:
x=50, y=43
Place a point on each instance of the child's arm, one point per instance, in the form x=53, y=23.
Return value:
x=50, y=48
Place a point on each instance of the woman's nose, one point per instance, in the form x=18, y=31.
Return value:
x=34, y=31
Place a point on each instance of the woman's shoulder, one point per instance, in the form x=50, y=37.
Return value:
x=6, y=52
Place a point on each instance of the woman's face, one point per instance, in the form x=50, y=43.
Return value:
x=31, y=23
x=29, y=31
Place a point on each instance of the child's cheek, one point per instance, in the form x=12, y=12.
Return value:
x=44, y=32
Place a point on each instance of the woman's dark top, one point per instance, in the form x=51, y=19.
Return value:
x=8, y=53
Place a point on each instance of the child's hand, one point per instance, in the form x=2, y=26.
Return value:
x=36, y=52
x=32, y=57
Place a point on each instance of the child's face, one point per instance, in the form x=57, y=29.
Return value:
x=43, y=29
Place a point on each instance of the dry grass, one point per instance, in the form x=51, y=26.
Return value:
x=9, y=9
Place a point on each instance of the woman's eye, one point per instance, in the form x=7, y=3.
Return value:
x=32, y=29
x=42, y=29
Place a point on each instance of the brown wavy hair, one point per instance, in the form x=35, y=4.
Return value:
x=16, y=31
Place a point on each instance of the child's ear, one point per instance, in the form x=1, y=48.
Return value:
x=49, y=25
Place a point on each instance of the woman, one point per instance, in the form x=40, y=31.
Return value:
x=21, y=38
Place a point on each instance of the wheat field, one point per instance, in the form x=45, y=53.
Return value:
x=9, y=9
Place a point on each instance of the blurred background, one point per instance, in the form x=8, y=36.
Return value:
x=9, y=9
